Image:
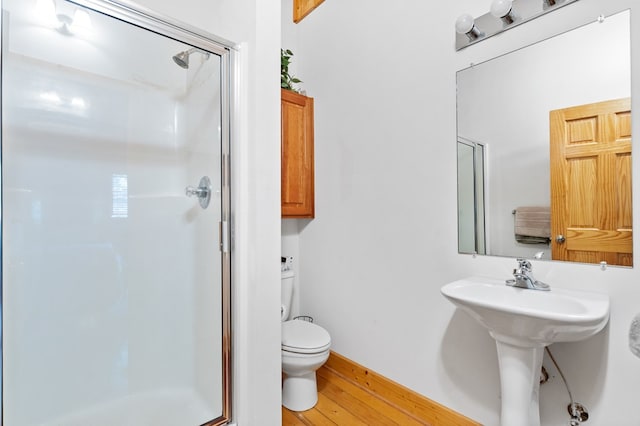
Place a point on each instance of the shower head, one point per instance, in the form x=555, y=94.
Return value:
x=182, y=58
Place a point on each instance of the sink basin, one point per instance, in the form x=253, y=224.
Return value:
x=523, y=322
x=526, y=317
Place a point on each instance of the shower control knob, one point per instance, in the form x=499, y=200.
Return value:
x=203, y=192
x=190, y=191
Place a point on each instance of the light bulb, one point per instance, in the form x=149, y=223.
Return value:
x=464, y=23
x=501, y=8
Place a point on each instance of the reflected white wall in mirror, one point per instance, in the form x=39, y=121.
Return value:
x=504, y=103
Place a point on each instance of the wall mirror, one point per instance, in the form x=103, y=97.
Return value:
x=544, y=148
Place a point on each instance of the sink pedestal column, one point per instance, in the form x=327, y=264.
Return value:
x=519, y=384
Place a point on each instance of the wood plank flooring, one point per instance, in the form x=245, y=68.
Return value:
x=343, y=403
x=351, y=395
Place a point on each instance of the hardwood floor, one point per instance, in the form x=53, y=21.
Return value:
x=351, y=395
x=341, y=402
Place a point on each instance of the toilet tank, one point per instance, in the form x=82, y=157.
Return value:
x=286, y=293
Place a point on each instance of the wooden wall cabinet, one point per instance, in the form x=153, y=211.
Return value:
x=296, y=154
x=302, y=8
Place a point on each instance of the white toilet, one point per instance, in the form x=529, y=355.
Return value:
x=305, y=347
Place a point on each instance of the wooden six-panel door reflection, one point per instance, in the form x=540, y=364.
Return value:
x=591, y=209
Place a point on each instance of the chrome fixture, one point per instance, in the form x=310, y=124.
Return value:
x=577, y=411
x=182, y=58
x=504, y=14
x=203, y=191
x=524, y=276
x=634, y=335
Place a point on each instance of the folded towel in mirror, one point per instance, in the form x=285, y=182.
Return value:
x=525, y=239
x=532, y=225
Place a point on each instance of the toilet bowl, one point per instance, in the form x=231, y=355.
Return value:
x=305, y=348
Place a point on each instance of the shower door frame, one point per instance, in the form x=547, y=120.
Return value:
x=134, y=14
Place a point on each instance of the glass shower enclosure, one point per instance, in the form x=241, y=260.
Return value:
x=115, y=218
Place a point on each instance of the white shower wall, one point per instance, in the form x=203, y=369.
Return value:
x=104, y=316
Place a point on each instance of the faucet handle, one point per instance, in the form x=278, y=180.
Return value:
x=524, y=264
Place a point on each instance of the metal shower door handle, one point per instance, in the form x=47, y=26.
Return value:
x=203, y=191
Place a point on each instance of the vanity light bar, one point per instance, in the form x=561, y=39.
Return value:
x=505, y=14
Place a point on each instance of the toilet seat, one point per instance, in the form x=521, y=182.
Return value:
x=303, y=337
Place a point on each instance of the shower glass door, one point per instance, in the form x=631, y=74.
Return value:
x=115, y=265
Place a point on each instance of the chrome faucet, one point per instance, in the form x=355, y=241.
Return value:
x=523, y=275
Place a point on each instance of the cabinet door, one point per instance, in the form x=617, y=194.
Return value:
x=297, y=155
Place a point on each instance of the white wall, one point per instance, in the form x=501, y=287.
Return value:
x=384, y=238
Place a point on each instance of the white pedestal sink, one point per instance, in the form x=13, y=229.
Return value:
x=523, y=322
